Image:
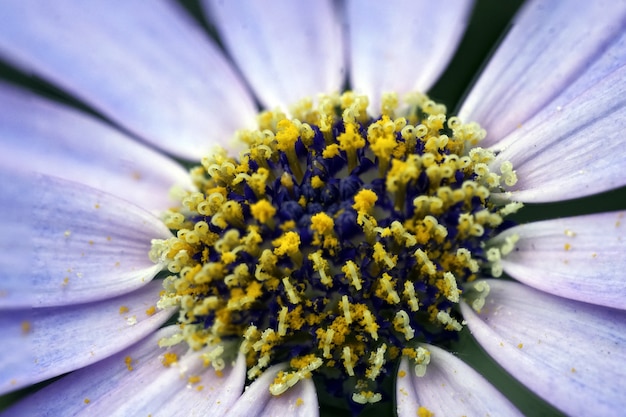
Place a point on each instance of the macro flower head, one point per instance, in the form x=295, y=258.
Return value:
x=247, y=219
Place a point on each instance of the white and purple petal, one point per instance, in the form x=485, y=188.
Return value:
x=402, y=46
x=575, y=152
x=257, y=401
x=150, y=69
x=66, y=243
x=136, y=382
x=550, y=45
x=569, y=353
x=53, y=139
x=450, y=387
x=55, y=340
x=581, y=258
x=287, y=50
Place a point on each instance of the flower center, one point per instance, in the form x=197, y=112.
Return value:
x=336, y=241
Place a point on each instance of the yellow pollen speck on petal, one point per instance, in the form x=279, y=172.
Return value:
x=567, y=246
x=128, y=361
x=169, y=358
x=151, y=311
x=26, y=327
x=520, y=345
x=299, y=402
x=401, y=374
x=123, y=309
x=86, y=400
x=67, y=233
x=424, y=412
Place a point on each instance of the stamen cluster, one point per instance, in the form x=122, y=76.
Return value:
x=337, y=242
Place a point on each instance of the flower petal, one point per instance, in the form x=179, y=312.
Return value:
x=569, y=353
x=147, y=68
x=581, y=258
x=57, y=340
x=611, y=60
x=577, y=151
x=287, y=50
x=135, y=382
x=449, y=387
x=402, y=46
x=550, y=45
x=65, y=243
x=257, y=401
x=50, y=138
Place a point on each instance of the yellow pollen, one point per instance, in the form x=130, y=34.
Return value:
x=263, y=211
x=26, y=327
x=316, y=182
x=337, y=242
x=322, y=223
x=288, y=244
x=194, y=379
x=287, y=135
x=169, y=358
x=424, y=412
x=128, y=361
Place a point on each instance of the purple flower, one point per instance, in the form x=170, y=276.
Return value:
x=82, y=197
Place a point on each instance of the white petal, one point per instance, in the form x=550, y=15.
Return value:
x=110, y=388
x=581, y=258
x=577, y=151
x=569, y=353
x=150, y=69
x=402, y=45
x=550, y=45
x=257, y=401
x=450, y=387
x=287, y=50
x=53, y=139
x=56, y=340
x=65, y=243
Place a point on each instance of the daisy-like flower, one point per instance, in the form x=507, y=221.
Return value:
x=345, y=235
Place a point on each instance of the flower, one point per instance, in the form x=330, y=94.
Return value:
x=80, y=198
